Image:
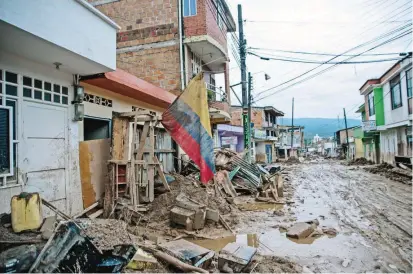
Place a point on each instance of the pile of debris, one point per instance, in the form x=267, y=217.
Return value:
x=360, y=162
x=393, y=173
x=293, y=160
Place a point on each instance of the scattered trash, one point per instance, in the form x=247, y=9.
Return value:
x=235, y=257
x=142, y=260
x=26, y=212
x=18, y=259
x=187, y=252
x=346, y=263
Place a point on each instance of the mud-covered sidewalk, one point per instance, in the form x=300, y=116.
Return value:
x=372, y=214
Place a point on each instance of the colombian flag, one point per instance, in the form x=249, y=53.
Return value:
x=187, y=120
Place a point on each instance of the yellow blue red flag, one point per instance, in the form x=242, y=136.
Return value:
x=187, y=121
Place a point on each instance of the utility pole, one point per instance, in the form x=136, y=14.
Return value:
x=345, y=123
x=242, y=53
x=292, y=127
x=249, y=111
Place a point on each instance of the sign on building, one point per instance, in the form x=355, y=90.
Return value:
x=232, y=140
x=369, y=125
x=260, y=134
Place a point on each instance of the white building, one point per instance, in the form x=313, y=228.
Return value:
x=44, y=46
x=316, y=139
x=396, y=133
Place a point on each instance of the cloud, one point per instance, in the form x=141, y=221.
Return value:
x=316, y=26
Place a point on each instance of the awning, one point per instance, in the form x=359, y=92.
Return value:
x=129, y=85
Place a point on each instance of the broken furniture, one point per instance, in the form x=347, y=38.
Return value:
x=68, y=251
x=235, y=257
x=188, y=213
x=189, y=253
x=133, y=162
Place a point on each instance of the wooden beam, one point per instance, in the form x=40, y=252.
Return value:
x=142, y=140
x=161, y=174
x=151, y=168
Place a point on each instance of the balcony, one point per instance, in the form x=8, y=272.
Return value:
x=218, y=105
x=56, y=37
x=206, y=33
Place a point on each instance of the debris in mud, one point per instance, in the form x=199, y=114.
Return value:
x=360, y=162
x=300, y=230
x=293, y=160
x=274, y=264
x=329, y=231
x=346, y=263
x=391, y=172
x=235, y=257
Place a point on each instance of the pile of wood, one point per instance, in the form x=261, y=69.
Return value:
x=132, y=164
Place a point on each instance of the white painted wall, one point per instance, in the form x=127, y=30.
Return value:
x=73, y=197
x=71, y=24
x=400, y=115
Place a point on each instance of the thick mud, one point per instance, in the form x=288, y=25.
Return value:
x=372, y=214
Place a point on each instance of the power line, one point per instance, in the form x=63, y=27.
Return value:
x=324, y=63
x=361, y=45
x=322, y=71
x=321, y=54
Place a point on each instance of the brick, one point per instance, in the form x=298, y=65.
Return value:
x=300, y=230
x=212, y=214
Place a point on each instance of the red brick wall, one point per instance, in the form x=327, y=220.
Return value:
x=143, y=22
x=257, y=117
x=205, y=23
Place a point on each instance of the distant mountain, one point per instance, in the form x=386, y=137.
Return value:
x=324, y=127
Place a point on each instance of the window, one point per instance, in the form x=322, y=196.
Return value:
x=8, y=127
x=189, y=7
x=220, y=14
x=409, y=83
x=396, y=93
x=45, y=91
x=196, y=64
x=95, y=128
x=371, y=104
x=6, y=139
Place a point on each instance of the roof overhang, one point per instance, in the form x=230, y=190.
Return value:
x=126, y=84
x=273, y=110
x=218, y=116
x=231, y=22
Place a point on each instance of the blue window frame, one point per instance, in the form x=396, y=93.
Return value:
x=189, y=7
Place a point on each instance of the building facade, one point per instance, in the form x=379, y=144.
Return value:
x=167, y=42
x=388, y=112
x=284, y=147
x=40, y=62
x=264, y=133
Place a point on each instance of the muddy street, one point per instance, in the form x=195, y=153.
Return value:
x=371, y=213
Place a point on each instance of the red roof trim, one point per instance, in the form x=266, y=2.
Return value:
x=126, y=84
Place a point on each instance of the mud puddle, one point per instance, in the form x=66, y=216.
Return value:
x=265, y=242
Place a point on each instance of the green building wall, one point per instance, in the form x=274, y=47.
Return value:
x=379, y=106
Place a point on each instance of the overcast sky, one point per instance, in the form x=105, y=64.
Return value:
x=322, y=26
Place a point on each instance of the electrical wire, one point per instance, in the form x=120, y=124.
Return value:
x=325, y=63
x=358, y=46
x=321, y=54
x=320, y=72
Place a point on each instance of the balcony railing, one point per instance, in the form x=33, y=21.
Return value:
x=215, y=94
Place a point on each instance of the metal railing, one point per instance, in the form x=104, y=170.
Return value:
x=215, y=94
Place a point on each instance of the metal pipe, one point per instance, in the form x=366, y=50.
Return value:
x=181, y=47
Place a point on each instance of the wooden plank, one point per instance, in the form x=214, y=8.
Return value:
x=86, y=210
x=280, y=186
x=274, y=192
x=151, y=168
x=142, y=140
x=96, y=214
x=161, y=174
